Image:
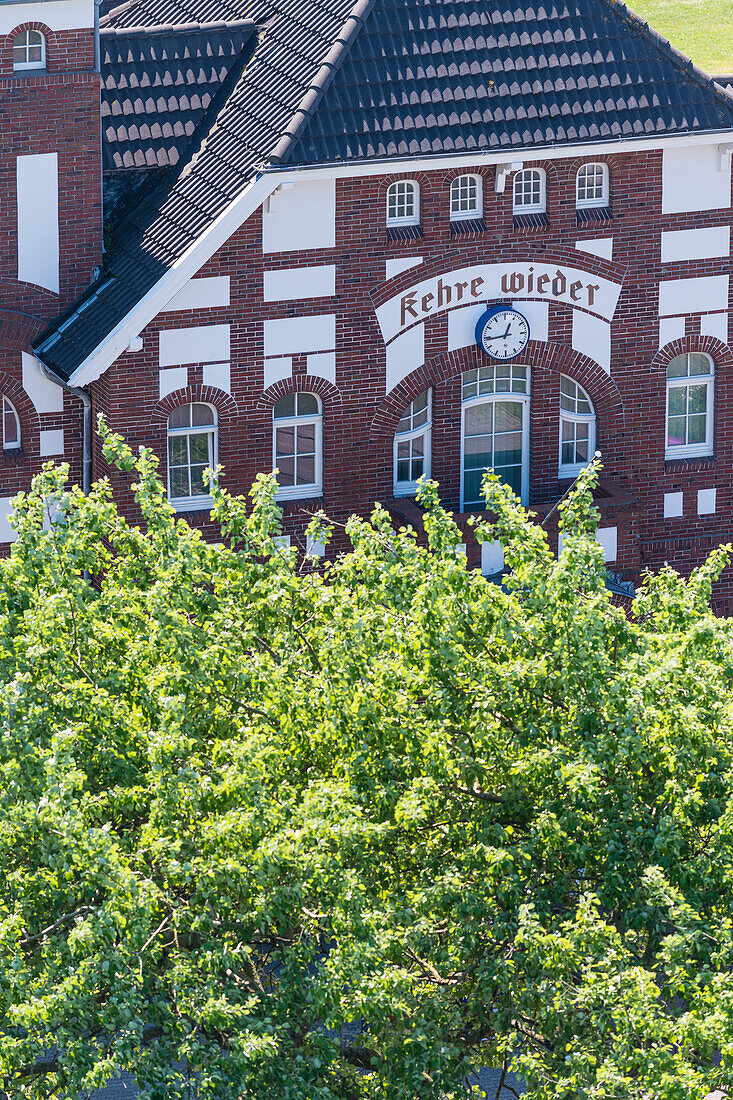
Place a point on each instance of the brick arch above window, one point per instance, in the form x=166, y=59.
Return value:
x=611, y=161
x=421, y=178
x=6, y=47
x=721, y=354
x=30, y=422
x=224, y=404
x=558, y=359
x=309, y=383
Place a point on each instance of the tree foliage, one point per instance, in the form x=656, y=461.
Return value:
x=272, y=830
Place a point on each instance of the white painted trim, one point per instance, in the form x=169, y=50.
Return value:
x=241, y=208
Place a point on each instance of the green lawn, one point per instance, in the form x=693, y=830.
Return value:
x=702, y=29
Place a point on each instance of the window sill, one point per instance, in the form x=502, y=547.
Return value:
x=406, y=489
x=305, y=492
x=531, y=220
x=705, y=459
x=585, y=214
x=460, y=226
x=404, y=232
x=193, y=504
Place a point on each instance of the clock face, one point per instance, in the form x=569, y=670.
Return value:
x=502, y=332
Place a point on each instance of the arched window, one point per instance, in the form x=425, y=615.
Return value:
x=529, y=191
x=192, y=431
x=29, y=51
x=591, y=186
x=466, y=198
x=11, y=426
x=412, y=445
x=690, y=380
x=296, y=445
x=495, y=429
x=577, y=428
x=403, y=203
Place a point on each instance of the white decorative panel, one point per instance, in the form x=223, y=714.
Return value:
x=405, y=354
x=492, y=558
x=695, y=244
x=597, y=246
x=175, y=378
x=462, y=326
x=38, y=218
x=672, y=505
x=538, y=314
x=692, y=179
x=314, y=549
x=203, y=344
x=705, y=502
x=204, y=293
x=277, y=369
x=323, y=364
x=217, y=375
x=52, y=442
x=592, y=337
x=698, y=295
x=290, y=283
x=300, y=215
x=61, y=15
x=300, y=335
x=282, y=542
x=671, y=328
x=400, y=264
x=45, y=394
x=7, y=534
x=608, y=538
x=715, y=325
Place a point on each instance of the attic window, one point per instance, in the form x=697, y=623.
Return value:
x=591, y=187
x=403, y=203
x=529, y=191
x=465, y=198
x=29, y=51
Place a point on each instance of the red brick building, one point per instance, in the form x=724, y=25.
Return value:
x=366, y=241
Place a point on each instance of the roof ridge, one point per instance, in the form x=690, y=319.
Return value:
x=178, y=28
x=325, y=73
x=667, y=49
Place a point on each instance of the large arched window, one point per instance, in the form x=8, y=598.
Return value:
x=11, y=426
x=591, y=186
x=403, y=203
x=495, y=429
x=29, y=51
x=690, y=380
x=192, y=433
x=529, y=191
x=466, y=199
x=412, y=446
x=577, y=428
x=296, y=445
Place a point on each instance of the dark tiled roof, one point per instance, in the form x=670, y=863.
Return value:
x=157, y=86
x=385, y=78
x=173, y=13
x=458, y=75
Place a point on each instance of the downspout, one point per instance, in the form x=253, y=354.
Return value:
x=83, y=396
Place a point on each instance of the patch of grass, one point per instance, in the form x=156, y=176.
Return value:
x=702, y=29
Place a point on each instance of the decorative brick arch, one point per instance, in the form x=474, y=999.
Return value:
x=310, y=383
x=721, y=354
x=555, y=358
x=6, y=46
x=420, y=178
x=475, y=170
x=30, y=422
x=18, y=330
x=224, y=404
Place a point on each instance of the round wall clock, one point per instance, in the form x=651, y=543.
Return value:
x=502, y=332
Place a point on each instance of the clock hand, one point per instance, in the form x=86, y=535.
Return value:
x=508, y=328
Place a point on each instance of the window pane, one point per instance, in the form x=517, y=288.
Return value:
x=478, y=453
x=198, y=489
x=678, y=367
x=581, y=451
x=179, y=482
x=180, y=418
x=697, y=402
x=284, y=407
x=202, y=414
x=178, y=450
x=507, y=449
x=306, y=436
x=568, y=429
x=699, y=364
x=472, y=486
x=403, y=449
x=696, y=429
x=284, y=441
x=199, y=445
x=286, y=468
x=403, y=471
x=676, y=431
x=417, y=467
x=306, y=470
x=677, y=402
x=478, y=419
x=307, y=404
x=417, y=445
x=35, y=53
x=568, y=454
x=508, y=416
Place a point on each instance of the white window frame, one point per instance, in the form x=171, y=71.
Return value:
x=572, y=469
x=204, y=501
x=457, y=215
x=409, y=488
x=538, y=207
x=692, y=450
x=25, y=66
x=493, y=398
x=407, y=219
x=9, y=407
x=313, y=488
x=593, y=203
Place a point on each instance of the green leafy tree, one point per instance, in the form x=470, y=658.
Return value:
x=270, y=830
